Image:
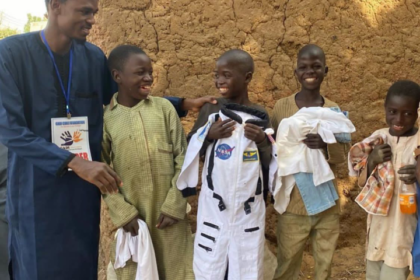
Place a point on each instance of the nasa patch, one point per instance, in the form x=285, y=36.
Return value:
x=224, y=151
x=251, y=155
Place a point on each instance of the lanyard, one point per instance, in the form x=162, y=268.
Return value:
x=66, y=93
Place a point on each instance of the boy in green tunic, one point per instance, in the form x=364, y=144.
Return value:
x=145, y=142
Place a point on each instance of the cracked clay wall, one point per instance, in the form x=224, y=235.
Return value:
x=368, y=43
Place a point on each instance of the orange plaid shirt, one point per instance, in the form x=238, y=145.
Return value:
x=376, y=195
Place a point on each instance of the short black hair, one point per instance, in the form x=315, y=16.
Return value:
x=312, y=49
x=405, y=88
x=48, y=2
x=118, y=56
x=241, y=58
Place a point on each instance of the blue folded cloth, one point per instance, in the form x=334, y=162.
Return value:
x=316, y=198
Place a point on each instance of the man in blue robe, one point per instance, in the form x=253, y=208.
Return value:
x=4, y=258
x=53, y=213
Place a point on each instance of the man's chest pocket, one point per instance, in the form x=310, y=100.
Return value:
x=87, y=104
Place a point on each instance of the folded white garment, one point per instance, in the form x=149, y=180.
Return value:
x=138, y=248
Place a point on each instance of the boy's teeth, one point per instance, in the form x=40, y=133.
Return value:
x=310, y=79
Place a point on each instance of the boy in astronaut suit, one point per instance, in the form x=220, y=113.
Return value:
x=231, y=213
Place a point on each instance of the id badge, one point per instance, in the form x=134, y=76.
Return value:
x=72, y=135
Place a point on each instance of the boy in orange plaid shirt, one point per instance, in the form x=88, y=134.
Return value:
x=384, y=162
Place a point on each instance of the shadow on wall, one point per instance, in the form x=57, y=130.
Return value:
x=368, y=43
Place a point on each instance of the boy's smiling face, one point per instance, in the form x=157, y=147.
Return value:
x=229, y=79
x=136, y=78
x=311, y=69
x=401, y=115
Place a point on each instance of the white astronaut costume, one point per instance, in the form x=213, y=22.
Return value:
x=231, y=211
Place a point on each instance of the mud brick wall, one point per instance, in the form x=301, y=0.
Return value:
x=368, y=43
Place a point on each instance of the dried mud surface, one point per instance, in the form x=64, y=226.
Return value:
x=369, y=44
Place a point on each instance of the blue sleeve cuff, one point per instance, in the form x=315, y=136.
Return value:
x=64, y=167
x=177, y=103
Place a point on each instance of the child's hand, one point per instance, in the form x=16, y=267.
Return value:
x=165, y=221
x=314, y=141
x=132, y=227
x=254, y=133
x=380, y=154
x=410, y=172
x=221, y=129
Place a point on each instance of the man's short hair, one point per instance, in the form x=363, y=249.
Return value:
x=48, y=2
